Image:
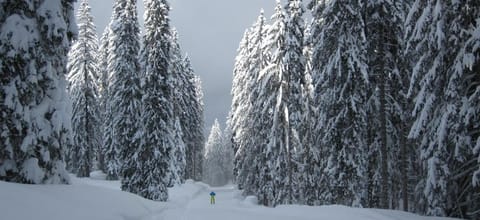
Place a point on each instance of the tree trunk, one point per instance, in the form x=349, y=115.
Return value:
x=404, y=162
x=382, y=117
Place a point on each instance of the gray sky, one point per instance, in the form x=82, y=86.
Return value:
x=210, y=31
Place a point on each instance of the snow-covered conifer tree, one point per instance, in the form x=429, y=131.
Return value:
x=319, y=151
x=247, y=151
x=298, y=108
x=440, y=37
x=83, y=74
x=271, y=118
x=178, y=162
x=424, y=84
x=213, y=172
x=124, y=98
x=35, y=126
x=308, y=157
x=470, y=113
x=182, y=90
x=254, y=125
x=384, y=21
x=218, y=158
x=250, y=144
x=178, y=77
x=103, y=77
x=239, y=103
x=276, y=137
x=157, y=143
x=193, y=121
x=462, y=93
x=186, y=107
x=196, y=149
x=341, y=79
x=103, y=84
x=227, y=159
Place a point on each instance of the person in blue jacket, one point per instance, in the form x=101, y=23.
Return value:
x=212, y=198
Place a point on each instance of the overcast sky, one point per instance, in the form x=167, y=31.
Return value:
x=210, y=31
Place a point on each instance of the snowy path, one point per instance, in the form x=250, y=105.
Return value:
x=230, y=205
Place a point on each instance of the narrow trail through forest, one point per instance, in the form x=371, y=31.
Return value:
x=231, y=205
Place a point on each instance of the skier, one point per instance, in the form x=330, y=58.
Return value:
x=212, y=198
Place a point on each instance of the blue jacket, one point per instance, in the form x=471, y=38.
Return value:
x=212, y=194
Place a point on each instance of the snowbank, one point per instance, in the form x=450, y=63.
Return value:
x=72, y=202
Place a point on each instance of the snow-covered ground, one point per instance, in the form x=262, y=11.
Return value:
x=96, y=199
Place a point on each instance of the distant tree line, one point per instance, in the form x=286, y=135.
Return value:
x=370, y=104
x=218, y=157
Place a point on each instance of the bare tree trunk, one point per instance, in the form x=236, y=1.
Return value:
x=381, y=71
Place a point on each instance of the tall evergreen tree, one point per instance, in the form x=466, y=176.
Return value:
x=471, y=116
x=217, y=166
x=196, y=149
x=441, y=84
x=185, y=105
x=181, y=109
x=239, y=102
x=386, y=101
x=463, y=94
x=123, y=107
x=247, y=149
x=155, y=151
x=178, y=162
x=309, y=161
x=281, y=97
x=271, y=114
x=35, y=122
x=313, y=67
x=103, y=85
x=252, y=141
x=212, y=155
x=227, y=159
x=83, y=74
x=193, y=121
x=298, y=107
x=341, y=76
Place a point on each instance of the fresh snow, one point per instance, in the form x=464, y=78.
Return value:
x=95, y=198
